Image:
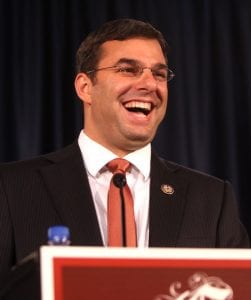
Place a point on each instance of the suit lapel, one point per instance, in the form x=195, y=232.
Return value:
x=68, y=185
x=167, y=202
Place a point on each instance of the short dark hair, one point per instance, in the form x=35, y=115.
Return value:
x=89, y=51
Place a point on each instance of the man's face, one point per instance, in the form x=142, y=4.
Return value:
x=123, y=112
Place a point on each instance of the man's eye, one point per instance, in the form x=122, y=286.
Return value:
x=160, y=74
x=128, y=70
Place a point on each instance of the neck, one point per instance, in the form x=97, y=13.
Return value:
x=118, y=151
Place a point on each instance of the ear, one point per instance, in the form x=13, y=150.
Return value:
x=83, y=87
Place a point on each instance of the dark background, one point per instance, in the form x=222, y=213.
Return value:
x=208, y=124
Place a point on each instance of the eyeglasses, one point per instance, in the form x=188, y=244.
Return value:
x=162, y=73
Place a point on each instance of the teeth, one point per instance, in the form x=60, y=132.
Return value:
x=136, y=104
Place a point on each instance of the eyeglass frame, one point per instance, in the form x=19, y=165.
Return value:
x=139, y=71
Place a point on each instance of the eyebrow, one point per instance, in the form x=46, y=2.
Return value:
x=131, y=61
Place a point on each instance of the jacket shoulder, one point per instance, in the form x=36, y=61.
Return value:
x=65, y=153
x=190, y=173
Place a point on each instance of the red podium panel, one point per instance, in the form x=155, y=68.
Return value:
x=74, y=273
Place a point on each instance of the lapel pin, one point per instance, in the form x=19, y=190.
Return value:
x=167, y=189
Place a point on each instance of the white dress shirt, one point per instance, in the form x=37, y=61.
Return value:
x=95, y=158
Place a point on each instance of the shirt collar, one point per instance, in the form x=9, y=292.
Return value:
x=96, y=156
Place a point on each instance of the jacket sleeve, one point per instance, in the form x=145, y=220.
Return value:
x=231, y=233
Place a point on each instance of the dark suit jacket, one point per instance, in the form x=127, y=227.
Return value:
x=53, y=189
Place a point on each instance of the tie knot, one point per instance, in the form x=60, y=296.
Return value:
x=118, y=165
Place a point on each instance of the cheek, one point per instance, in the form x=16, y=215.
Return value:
x=163, y=89
x=120, y=87
x=164, y=96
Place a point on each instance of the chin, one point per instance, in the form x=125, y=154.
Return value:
x=139, y=141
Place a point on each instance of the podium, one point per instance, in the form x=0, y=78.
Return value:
x=77, y=273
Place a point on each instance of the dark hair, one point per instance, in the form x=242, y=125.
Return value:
x=89, y=51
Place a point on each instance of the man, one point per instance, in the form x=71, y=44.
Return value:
x=122, y=79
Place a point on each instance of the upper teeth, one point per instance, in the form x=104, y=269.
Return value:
x=136, y=104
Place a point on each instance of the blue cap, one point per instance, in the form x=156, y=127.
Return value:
x=59, y=235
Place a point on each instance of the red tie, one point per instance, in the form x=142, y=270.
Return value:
x=115, y=218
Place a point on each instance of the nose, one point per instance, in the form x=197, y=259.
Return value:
x=146, y=80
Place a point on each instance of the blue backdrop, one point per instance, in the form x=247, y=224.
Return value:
x=208, y=124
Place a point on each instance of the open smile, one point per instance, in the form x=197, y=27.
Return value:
x=139, y=107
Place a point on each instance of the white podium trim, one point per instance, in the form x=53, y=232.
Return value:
x=48, y=253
